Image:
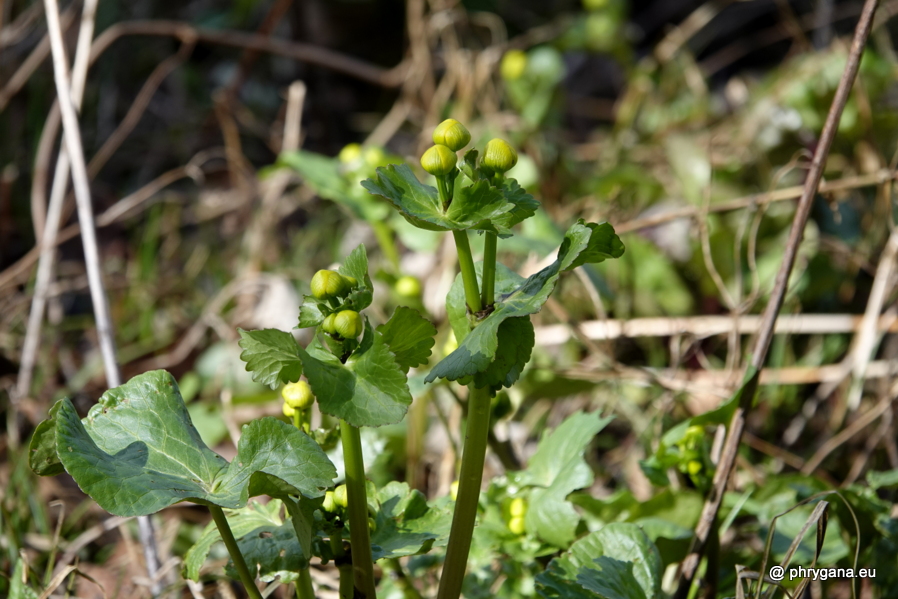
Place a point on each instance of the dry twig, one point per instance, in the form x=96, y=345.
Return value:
x=708, y=516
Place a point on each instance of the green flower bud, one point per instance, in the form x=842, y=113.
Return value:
x=350, y=153
x=516, y=525
x=341, y=496
x=351, y=281
x=329, y=504
x=439, y=161
x=327, y=284
x=372, y=525
x=348, y=324
x=375, y=156
x=498, y=156
x=408, y=286
x=514, y=62
x=451, y=134
x=328, y=325
x=694, y=467
x=298, y=395
x=289, y=410
x=517, y=508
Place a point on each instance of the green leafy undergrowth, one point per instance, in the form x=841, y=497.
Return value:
x=138, y=452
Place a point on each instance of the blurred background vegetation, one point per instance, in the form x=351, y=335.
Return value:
x=686, y=124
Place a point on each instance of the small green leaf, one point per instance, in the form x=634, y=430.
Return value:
x=18, y=589
x=582, y=243
x=516, y=338
x=525, y=205
x=271, y=355
x=473, y=207
x=409, y=336
x=406, y=524
x=556, y=470
x=368, y=390
x=617, y=562
x=42, y=456
x=356, y=266
x=310, y=312
x=137, y=452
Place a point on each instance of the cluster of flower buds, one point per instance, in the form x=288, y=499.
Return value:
x=331, y=285
x=449, y=137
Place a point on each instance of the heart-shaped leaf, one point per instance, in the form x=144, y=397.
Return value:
x=138, y=452
x=584, y=242
x=369, y=389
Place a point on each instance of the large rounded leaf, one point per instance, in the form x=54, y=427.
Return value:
x=138, y=452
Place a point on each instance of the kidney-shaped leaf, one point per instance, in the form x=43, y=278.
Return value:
x=138, y=452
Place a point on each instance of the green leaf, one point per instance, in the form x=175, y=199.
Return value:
x=584, y=242
x=406, y=524
x=138, y=452
x=525, y=205
x=356, y=266
x=617, y=562
x=370, y=389
x=473, y=207
x=310, y=312
x=516, y=338
x=271, y=355
x=241, y=521
x=42, y=456
x=556, y=470
x=409, y=336
x=323, y=174
x=17, y=588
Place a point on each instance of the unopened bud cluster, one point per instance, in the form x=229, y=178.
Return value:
x=449, y=137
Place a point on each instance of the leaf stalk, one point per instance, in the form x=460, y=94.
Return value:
x=248, y=580
x=362, y=564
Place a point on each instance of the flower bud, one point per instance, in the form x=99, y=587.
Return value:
x=514, y=62
x=329, y=504
x=408, y=286
x=498, y=156
x=327, y=284
x=516, y=525
x=439, y=160
x=348, y=324
x=289, y=410
x=298, y=395
x=328, y=325
x=451, y=134
x=341, y=496
x=350, y=153
x=517, y=508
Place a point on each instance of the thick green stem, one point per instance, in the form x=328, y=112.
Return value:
x=304, y=588
x=362, y=564
x=489, y=269
x=248, y=580
x=384, y=236
x=469, y=482
x=468, y=274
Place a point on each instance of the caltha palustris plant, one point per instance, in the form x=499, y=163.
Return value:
x=138, y=452
x=489, y=305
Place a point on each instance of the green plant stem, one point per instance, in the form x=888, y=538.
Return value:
x=304, y=588
x=469, y=482
x=402, y=579
x=489, y=269
x=468, y=274
x=362, y=565
x=248, y=580
x=384, y=235
x=346, y=587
